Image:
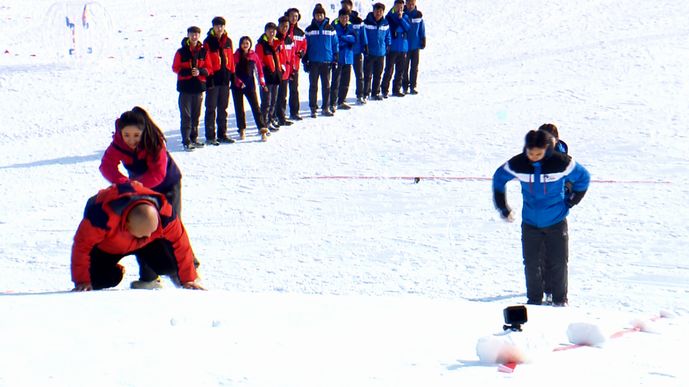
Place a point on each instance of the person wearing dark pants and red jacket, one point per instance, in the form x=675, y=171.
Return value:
x=416, y=38
x=320, y=58
x=287, y=59
x=298, y=37
x=248, y=67
x=191, y=66
x=221, y=60
x=357, y=49
x=267, y=51
x=543, y=174
x=377, y=45
x=126, y=219
x=397, y=57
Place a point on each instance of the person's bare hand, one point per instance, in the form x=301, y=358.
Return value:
x=194, y=72
x=193, y=285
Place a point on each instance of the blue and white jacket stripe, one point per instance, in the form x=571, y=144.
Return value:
x=377, y=35
x=543, y=185
x=417, y=31
x=321, y=39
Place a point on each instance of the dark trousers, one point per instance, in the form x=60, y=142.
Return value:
x=294, y=94
x=549, y=266
x=411, y=70
x=217, y=100
x=190, y=111
x=238, y=102
x=158, y=256
x=358, y=68
x=373, y=69
x=174, y=197
x=269, y=99
x=322, y=71
x=394, y=61
x=281, y=107
x=341, y=76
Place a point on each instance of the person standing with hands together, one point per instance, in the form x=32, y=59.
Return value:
x=192, y=68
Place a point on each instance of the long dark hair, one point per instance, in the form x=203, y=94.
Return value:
x=243, y=64
x=152, y=138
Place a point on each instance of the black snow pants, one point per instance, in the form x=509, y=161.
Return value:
x=553, y=271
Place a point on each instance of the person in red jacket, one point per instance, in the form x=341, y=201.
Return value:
x=126, y=219
x=248, y=68
x=287, y=58
x=191, y=66
x=221, y=56
x=267, y=49
x=139, y=145
x=298, y=37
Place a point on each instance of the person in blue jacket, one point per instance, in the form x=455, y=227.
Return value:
x=358, y=50
x=416, y=37
x=377, y=45
x=542, y=173
x=346, y=38
x=396, y=58
x=320, y=58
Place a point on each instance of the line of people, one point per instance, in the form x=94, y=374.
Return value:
x=140, y=213
x=379, y=49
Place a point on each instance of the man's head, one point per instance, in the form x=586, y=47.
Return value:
x=347, y=4
x=218, y=25
x=270, y=30
x=536, y=145
x=319, y=12
x=411, y=4
x=193, y=33
x=378, y=10
x=142, y=220
x=283, y=25
x=343, y=16
x=293, y=15
x=399, y=4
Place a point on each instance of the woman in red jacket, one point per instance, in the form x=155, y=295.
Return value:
x=139, y=144
x=247, y=68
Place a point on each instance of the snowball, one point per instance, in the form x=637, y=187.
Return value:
x=500, y=349
x=585, y=334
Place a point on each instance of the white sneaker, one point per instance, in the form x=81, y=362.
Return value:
x=148, y=285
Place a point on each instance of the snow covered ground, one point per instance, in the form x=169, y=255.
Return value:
x=325, y=267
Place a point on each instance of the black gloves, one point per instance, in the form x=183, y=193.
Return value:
x=365, y=50
x=574, y=198
x=423, y=43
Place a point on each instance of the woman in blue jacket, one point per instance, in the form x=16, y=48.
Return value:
x=543, y=174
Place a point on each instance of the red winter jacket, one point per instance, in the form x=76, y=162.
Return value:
x=287, y=55
x=268, y=53
x=187, y=58
x=104, y=227
x=245, y=77
x=298, y=37
x=220, y=50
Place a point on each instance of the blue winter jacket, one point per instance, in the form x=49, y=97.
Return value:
x=543, y=187
x=377, y=35
x=321, y=42
x=346, y=39
x=399, y=27
x=416, y=36
x=358, y=26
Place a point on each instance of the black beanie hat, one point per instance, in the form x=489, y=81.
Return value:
x=318, y=9
x=218, y=21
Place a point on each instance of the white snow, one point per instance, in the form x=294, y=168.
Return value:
x=327, y=265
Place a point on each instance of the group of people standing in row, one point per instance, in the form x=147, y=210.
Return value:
x=378, y=49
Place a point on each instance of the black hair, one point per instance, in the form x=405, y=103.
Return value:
x=290, y=10
x=283, y=19
x=218, y=21
x=270, y=26
x=194, y=29
x=242, y=65
x=550, y=128
x=379, y=6
x=343, y=12
x=538, y=139
x=152, y=138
